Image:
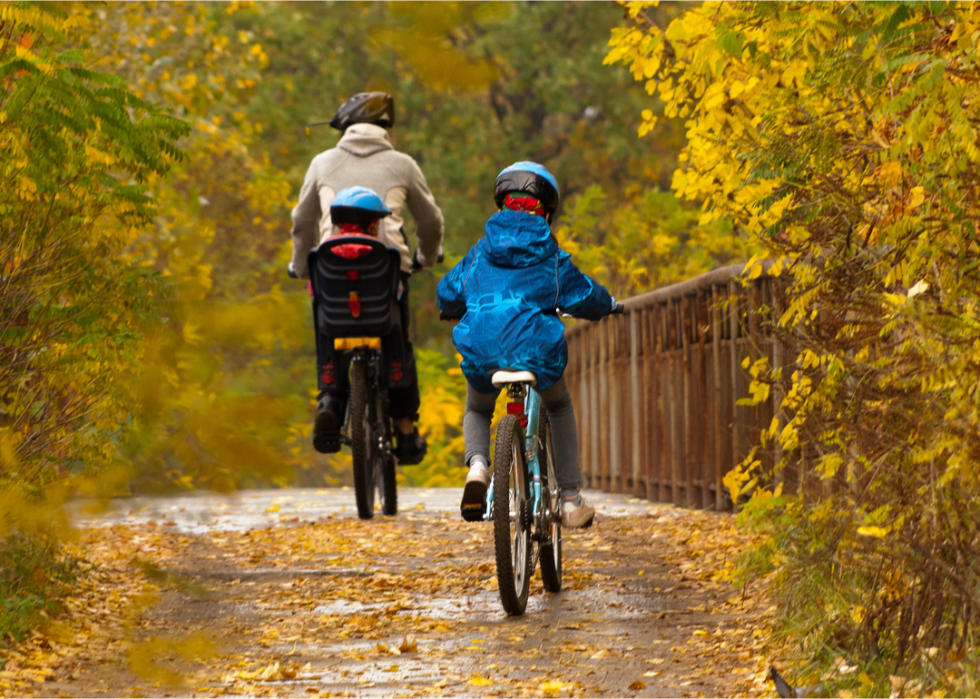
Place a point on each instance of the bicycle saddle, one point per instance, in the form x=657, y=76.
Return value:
x=502, y=378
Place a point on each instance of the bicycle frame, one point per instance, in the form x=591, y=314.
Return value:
x=532, y=442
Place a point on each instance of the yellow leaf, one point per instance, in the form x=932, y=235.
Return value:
x=919, y=287
x=553, y=687
x=479, y=681
x=273, y=508
x=916, y=197
x=877, y=532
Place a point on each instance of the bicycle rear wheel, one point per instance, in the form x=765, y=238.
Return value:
x=362, y=442
x=511, y=517
x=550, y=554
x=384, y=465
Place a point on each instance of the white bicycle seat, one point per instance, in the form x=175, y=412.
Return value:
x=502, y=378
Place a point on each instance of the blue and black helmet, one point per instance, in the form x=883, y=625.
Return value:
x=528, y=177
x=358, y=205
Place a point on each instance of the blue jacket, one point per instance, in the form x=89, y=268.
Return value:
x=507, y=290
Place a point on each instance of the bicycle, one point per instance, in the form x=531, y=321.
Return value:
x=523, y=500
x=354, y=281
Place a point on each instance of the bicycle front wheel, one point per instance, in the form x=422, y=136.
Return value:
x=362, y=440
x=511, y=517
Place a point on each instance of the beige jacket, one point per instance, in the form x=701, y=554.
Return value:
x=364, y=156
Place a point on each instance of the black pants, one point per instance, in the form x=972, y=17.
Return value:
x=398, y=371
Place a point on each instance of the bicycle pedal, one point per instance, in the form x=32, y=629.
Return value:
x=473, y=513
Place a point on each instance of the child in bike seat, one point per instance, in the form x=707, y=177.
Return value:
x=507, y=292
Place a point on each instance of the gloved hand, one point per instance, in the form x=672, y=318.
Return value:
x=291, y=271
x=616, y=307
x=416, y=265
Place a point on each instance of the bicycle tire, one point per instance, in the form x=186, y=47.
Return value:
x=549, y=555
x=511, y=523
x=360, y=437
x=385, y=469
x=388, y=487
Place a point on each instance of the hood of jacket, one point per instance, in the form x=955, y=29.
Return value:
x=365, y=139
x=517, y=239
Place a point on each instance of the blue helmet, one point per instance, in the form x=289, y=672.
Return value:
x=527, y=177
x=358, y=205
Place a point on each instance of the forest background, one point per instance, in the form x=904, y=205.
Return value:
x=214, y=386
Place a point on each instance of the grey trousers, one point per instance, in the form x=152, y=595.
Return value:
x=564, y=434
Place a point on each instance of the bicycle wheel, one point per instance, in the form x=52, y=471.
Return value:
x=550, y=554
x=361, y=441
x=384, y=464
x=511, y=517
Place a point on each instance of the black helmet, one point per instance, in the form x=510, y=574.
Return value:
x=366, y=108
x=530, y=178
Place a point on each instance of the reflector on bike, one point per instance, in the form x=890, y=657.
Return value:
x=349, y=343
x=354, y=302
x=351, y=251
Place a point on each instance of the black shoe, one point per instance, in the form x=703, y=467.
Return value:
x=327, y=424
x=410, y=448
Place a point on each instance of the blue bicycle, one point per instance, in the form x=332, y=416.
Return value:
x=523, y=500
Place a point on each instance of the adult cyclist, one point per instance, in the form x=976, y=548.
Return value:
x=365, y=157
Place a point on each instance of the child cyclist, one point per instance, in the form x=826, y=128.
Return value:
x=506, y=292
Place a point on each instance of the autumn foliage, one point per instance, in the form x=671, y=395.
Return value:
x=77, y=151
x=842, y=138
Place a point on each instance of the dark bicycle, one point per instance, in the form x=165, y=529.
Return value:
x=355, y=285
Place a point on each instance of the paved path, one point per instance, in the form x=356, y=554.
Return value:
x=295, y=596
x=201, y=512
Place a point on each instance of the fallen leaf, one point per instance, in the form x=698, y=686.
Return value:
x=637, y=686
x=479, y=681
x=554, y=687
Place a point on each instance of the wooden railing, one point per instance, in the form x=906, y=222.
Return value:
x=655, y=389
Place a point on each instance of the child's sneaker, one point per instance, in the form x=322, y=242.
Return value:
x=576, y=513
x=474, y=504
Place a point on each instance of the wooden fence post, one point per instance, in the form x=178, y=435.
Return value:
x=716, y=403
x=733, y=312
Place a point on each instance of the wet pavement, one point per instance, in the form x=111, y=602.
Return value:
x=201, y=512
x=296, y=596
